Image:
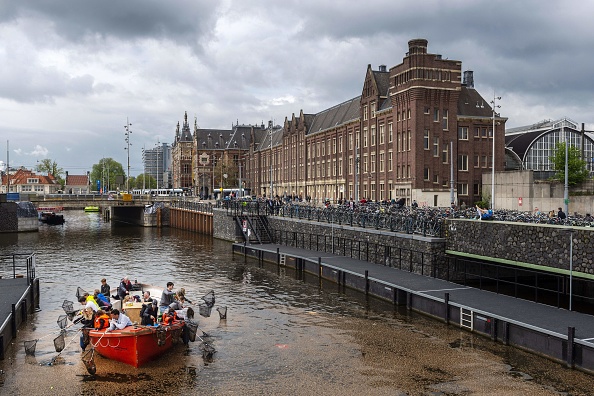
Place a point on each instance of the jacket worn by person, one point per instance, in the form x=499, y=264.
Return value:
x=102, y=322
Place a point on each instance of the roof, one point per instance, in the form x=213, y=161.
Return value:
x=77, y=180
x=472, y=104
x=335, y=116
x=21, y=176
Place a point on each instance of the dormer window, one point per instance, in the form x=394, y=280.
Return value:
x=32, y=181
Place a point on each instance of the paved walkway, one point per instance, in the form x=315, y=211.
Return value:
x=11, y=290
x=543, y=318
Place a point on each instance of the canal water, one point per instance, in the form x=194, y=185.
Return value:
x=282, y=335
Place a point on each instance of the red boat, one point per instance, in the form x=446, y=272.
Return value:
x=136, y=345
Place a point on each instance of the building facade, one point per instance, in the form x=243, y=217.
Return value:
x=418, y=131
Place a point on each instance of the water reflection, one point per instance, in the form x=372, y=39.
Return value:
x=281, y=336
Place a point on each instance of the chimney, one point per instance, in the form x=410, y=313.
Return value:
x=468, y=79
x=417, y=46
x=382, y=68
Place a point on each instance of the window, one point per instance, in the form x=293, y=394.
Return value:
x=463, y=162
x=365, y=137
x=426, y=139
x=408, y=141
x=408, y=171
x=477, y=132
x=427, y=110
x=444, y=121
x=373, y=135
x=365, y=116
x=408, y=113
x=484, y=132
x=32, y=181
x=445, y=182
x=463, y=133
x=426, y=174
x=436, y=178
x=485, y=161
x=372, y=162
x=372, y=109
x=390, y=161
x=476, y=188
x=435, y=146
x=365, y=163
x=350, y=140
x=381, y=162
x=381, y=134
x=350, y=165
x=340, y=144
x=340, y=166
x=436, y=115
x=462, y=189
x=476, y=161
x=445, y=154
x=390, y=132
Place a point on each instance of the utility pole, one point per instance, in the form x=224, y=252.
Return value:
x=128, y=144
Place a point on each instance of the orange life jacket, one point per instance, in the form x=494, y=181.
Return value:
x=102, y=322
x=169, y=318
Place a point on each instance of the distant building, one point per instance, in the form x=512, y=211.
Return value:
x=26, y=181
x=77, y=184
x=157, y=164
x=531, y=146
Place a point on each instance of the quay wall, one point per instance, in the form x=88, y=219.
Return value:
x=538, y=246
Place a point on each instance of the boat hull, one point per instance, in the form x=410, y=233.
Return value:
x=135, y=345
x=91, y=209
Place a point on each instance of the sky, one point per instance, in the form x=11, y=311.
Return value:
x=74, y=73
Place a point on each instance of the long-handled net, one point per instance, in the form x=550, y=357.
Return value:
x=204, y=310
x=68, y=306
x=59, y=342
x=222, y=312
x=80, y=292
x=62, y=321
x=89, y=360
x=192, y=329
x=209, y=298
x=30, y=347
x=208, y=351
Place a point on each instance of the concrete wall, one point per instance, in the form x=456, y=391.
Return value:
x=547, y=196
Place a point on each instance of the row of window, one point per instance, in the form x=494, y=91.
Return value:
x=479, y=132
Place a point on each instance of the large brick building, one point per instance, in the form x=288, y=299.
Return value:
x=417, y=131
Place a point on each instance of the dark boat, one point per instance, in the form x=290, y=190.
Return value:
x=51, y=218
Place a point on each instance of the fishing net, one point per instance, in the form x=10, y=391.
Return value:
x=222, y=312
x=161, y=335
x=209, y=298
x=204, y=310
x=176, y=335
x=208, y=351
x=71, y=315
x=89, y=361
x=80, y=292
x=59, y=342
x=62, y=321
x=192, y=329
x=67, y=306
x=30, y=347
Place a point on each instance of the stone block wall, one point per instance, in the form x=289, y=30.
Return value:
x=8, y=217
x=533, y=244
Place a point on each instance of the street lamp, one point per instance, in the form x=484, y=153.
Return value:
x=566, y=189
x=128, y=144
x=494, y=106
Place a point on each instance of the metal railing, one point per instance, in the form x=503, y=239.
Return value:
x=18, y=265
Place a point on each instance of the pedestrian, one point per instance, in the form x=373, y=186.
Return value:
x=561, y=214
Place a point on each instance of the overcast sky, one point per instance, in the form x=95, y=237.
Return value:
x=73, y=71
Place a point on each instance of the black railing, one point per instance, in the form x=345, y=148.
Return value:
x=204, y=207
x=18, y=266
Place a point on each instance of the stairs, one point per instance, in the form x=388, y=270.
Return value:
x=257, y=232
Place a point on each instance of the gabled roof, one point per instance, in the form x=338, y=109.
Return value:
x=186, y=134
x=21, y=176
x=212, y=139
x=382, y=81
x=77, y=180
x=335, y=116
x=472, y=104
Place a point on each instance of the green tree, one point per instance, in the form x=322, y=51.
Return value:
x=139, y=181
x=576, y=166
x=50, y=166
x=106, y=171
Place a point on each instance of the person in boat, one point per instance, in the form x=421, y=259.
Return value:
x=182, y=293
x=149, y=313
x=102, y=300
x=105, y=289
x=118, y=320
x=179, y=302
x=89, y=302
x=167, y=297
x=170, y=317
x=101, y=320
x=124, y=288
x=146, y=297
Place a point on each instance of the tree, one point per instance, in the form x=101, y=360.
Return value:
x=106, y=171
x=576, y=166
x=229, y=168
x=49, y=166
x=140, y=182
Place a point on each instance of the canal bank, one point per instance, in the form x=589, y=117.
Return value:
x=559, y=334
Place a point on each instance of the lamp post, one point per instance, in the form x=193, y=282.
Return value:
x=270, y=133
x=494, y=106
x=566, y=189
x=128, y=144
